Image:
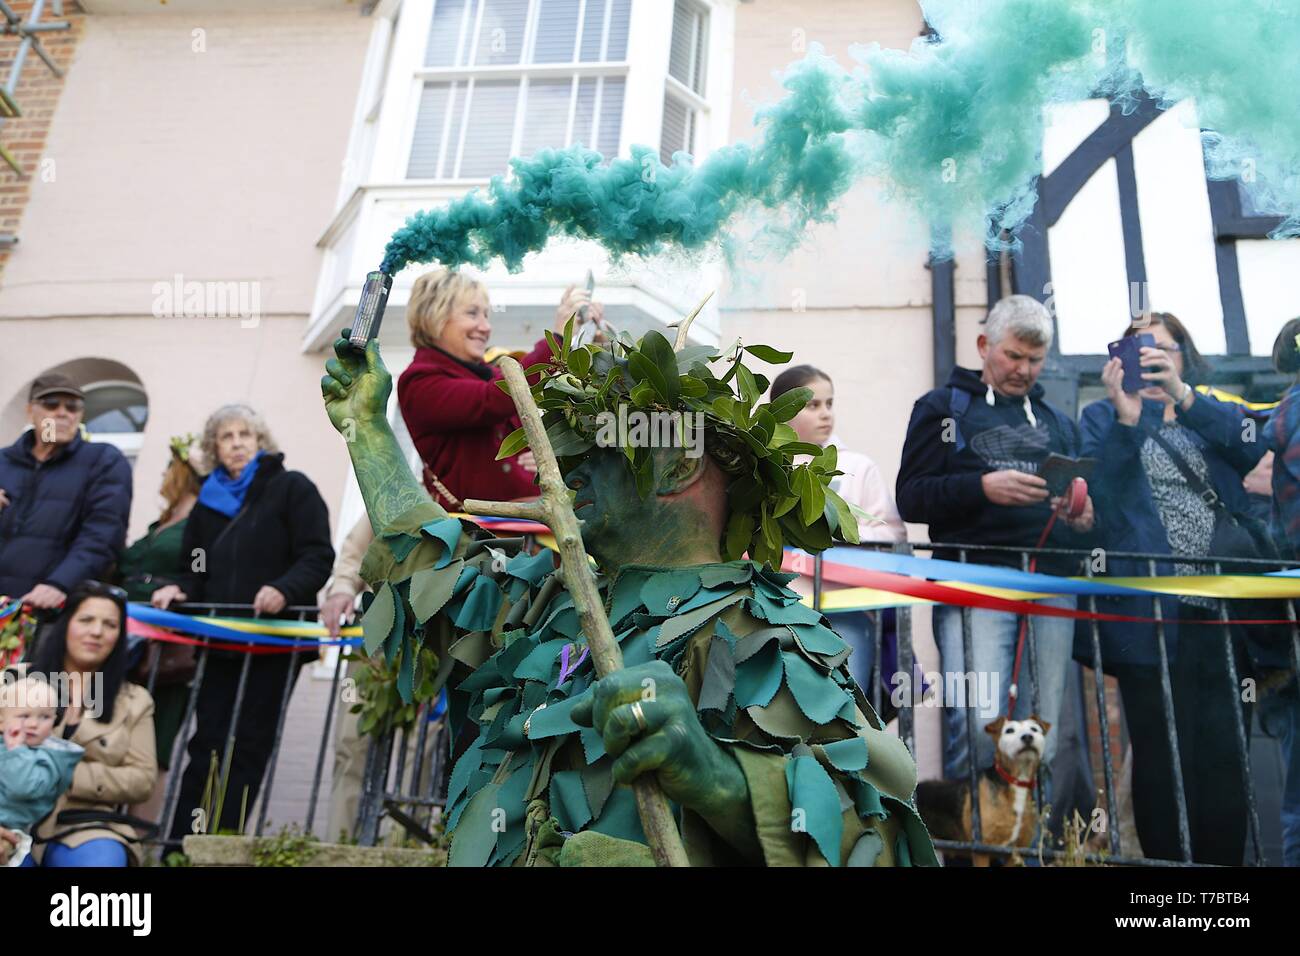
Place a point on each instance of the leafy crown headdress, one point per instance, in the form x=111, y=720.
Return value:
x=770, y=499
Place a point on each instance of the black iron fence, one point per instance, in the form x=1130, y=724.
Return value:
x=297, y=659
x=405, y=772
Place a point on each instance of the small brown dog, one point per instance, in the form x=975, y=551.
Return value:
x=1008, y=811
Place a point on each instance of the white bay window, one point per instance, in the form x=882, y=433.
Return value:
x=452, y=89
x=684, y=86
x=504, y=78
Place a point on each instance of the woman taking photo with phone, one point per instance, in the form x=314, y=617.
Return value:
x=1170, y=464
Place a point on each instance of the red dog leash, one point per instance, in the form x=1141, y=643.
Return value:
x=1072, y=505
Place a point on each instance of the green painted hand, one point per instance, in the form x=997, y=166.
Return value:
x=356, y=386
x=692, y=768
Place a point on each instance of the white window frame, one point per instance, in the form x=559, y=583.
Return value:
x=129, y=444
x=644, y=70
x=467, y=76
x=695, y=101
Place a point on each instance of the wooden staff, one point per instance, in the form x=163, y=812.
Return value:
x=555, y=509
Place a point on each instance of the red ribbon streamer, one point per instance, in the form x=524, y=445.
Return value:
x=929, y=591
x=142, y=629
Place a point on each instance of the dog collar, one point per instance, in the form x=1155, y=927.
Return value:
x=1014, y=781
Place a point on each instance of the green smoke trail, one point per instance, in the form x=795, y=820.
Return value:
x=952, y=128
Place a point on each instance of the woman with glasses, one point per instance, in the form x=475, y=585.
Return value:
x=83, y=656
x=63, y=501
x=1160, y=453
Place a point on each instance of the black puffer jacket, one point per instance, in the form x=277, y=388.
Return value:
x=66, y=517
x=949, y=449
x=280, y=537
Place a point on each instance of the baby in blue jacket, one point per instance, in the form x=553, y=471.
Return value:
x=35, y=769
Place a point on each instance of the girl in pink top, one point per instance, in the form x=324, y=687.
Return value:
x=861, y=485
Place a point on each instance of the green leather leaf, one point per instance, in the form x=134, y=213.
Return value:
x=448, y=531
x=406, y=673
x=667, y=591
x=475, y=836
x=817, y=695
x=540, y=661
x=378, y=621
x=867, y=850
x=569, y=800
x=818, y=639
x=759, y=678
x=719, y=676
x=480, y=608
x=431, y=589
x=715, y=576
x=815, y=805
x=554, y=719
x=676, y=627
x=847, y=755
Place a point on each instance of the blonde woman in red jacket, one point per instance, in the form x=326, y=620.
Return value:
x=456, y=414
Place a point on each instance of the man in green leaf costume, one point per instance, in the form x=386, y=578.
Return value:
x=734, y=694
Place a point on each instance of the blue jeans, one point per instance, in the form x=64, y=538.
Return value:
x=857, y=630
x=1279, y=714
x=1048, y=651
x=102, y=852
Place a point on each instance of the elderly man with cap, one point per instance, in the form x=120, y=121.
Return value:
x=63, y=501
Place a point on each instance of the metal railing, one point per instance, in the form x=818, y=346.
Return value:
x=178, y=760
x=406, y=771
x=391, y=791
x=1229, y=634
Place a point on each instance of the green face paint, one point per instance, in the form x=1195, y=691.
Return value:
x=619, y=526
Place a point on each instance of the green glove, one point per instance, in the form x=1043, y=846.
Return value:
x=356, y=387
x=669, y=740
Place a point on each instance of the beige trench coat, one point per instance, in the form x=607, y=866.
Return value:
x=120, y=766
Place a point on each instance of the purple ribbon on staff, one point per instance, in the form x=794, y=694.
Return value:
x=565, y=669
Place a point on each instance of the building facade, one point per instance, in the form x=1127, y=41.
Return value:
x=210, y=181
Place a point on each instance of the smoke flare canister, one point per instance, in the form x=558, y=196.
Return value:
x=370, y=310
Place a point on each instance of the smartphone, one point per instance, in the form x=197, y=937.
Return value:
x=1127, y=350
x=1059, y=471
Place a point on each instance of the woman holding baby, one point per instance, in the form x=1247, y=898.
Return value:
x=110, y=719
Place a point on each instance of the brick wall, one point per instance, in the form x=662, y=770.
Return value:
x=37, y=95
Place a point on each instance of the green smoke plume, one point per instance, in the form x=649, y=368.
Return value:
x=953, y=128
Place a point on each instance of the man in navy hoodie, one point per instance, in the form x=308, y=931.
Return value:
x=970, y=471
x=63, y=501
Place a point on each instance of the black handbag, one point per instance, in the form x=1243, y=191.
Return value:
x=1238, y=536
x=1235, y=535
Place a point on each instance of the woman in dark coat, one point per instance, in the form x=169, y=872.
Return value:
x=456, y=414
x=151, y=563
x=259, y=536
x=1144, y=503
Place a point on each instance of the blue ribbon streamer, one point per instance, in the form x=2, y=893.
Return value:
x=183, y=622
x=987, y=575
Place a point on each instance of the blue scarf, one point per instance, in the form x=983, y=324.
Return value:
x=225, y=494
